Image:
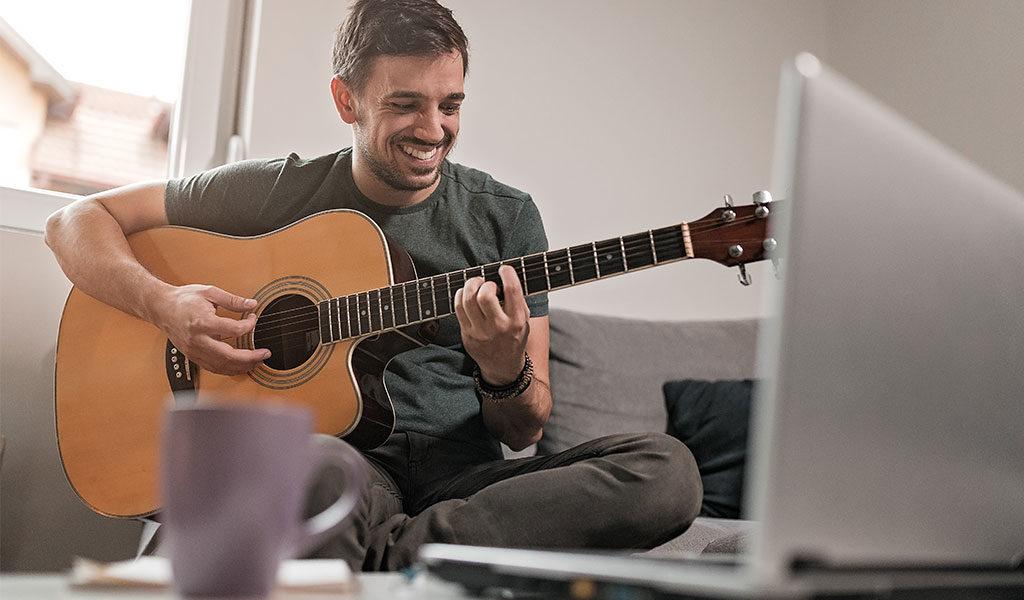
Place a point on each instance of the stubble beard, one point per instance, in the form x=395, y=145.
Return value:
x=391, y=176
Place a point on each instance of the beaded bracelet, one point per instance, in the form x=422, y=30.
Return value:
x=505, y=392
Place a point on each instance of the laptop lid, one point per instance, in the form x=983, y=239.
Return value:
x=890, y=424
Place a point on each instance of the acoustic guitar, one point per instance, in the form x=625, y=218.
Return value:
x=336, y=301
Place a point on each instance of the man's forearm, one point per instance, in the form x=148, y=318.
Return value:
x=91, y=248
x=519, y=422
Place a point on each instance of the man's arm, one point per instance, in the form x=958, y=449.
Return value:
x=496, y=337
x=519, y=421
x=89, y=239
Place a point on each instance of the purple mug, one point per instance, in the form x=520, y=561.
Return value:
x=234, y=485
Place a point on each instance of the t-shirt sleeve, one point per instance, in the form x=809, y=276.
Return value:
x=229, y=199
x=528, y=237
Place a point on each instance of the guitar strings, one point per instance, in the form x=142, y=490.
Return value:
x=309, y=315
x=418, y=294
x=538, y=270
x=631, y=245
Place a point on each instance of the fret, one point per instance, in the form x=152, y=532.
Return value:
x=412, y=300
x=348, y=317
x=622, y=248
x=440, y=298
x=536, y=273
x=400, y=318
x=654, y=252
x=388, y=308
x=448, y=300
x=456, y=281
x=334, y=333
x=547, y=273
x=404, y=302
x=425, y=296
x=373, y=309
x=433, y=297
x=323, y=313
x=559, y=271
x=568, y=258
x=583, y=264
x=337, y=318
x=522, y=277
x=597, y=265
x=669, y=243
x=363, y=304
x=639, y=252
x=490, y=273
x=609, y=257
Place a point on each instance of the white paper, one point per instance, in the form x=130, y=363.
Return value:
x=155, y=572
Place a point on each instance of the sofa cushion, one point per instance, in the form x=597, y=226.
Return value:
x=711, y=418
x=706, y=536
x=607, y=372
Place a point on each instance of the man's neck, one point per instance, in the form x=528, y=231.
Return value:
x=381, y=193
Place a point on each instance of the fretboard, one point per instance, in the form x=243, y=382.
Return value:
x=432, y=297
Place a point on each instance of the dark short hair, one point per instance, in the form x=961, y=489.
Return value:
x=394, y=28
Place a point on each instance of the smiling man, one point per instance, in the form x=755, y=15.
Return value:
x=399, y=69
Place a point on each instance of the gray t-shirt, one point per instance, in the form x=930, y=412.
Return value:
x=469, y=220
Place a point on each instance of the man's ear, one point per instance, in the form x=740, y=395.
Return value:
x=344, y=100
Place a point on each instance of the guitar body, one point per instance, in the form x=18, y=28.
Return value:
x=115, y=373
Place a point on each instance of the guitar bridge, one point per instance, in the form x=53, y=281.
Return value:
x=181, y=372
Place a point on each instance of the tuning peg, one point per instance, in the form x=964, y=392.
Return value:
x=744, y=276
x=762, y=197
x=728, y=200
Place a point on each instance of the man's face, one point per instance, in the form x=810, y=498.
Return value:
x=407, y=118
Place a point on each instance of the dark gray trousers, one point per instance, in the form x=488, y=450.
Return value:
x=621, y=491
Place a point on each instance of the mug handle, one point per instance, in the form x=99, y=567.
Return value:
x=319, y=527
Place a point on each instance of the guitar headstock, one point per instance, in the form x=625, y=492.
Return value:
x=736, y=235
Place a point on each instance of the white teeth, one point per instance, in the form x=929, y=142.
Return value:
x=419, y=153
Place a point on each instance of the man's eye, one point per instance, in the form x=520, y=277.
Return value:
x=450, y=109
x=401, y=106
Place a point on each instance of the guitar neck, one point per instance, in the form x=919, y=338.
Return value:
x=432, y=297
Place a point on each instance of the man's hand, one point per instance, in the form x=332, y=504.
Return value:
x=494, y=335
x=188, y=315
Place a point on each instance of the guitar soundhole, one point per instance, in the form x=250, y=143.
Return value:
x=289, y=327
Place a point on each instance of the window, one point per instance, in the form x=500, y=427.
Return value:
x=89, y=91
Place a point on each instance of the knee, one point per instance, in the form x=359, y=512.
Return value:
x=674, y=488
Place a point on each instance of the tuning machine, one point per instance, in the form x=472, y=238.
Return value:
x=761, y=199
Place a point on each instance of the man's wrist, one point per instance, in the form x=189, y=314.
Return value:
x=514, y=387
x=154, y=298
x=502, y=378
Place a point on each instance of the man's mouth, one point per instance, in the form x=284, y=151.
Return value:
x=417, y=153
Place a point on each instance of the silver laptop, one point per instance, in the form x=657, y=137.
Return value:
x=887, y=443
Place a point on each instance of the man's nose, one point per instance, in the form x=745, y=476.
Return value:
x=428, y=127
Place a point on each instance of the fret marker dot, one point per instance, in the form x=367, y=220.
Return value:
x=362, y=312
x=385, y=307
x=424, y=286
x=427, y=312
x=558, y=267
x=608, y=257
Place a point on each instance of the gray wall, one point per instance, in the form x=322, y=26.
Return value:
x=954, y=67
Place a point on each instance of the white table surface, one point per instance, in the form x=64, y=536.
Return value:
x=373, y=586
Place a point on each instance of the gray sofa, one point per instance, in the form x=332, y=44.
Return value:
x=607, y=375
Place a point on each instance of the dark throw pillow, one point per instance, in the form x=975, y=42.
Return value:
x=711, y=418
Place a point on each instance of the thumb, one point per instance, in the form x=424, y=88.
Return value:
x=229, y=301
